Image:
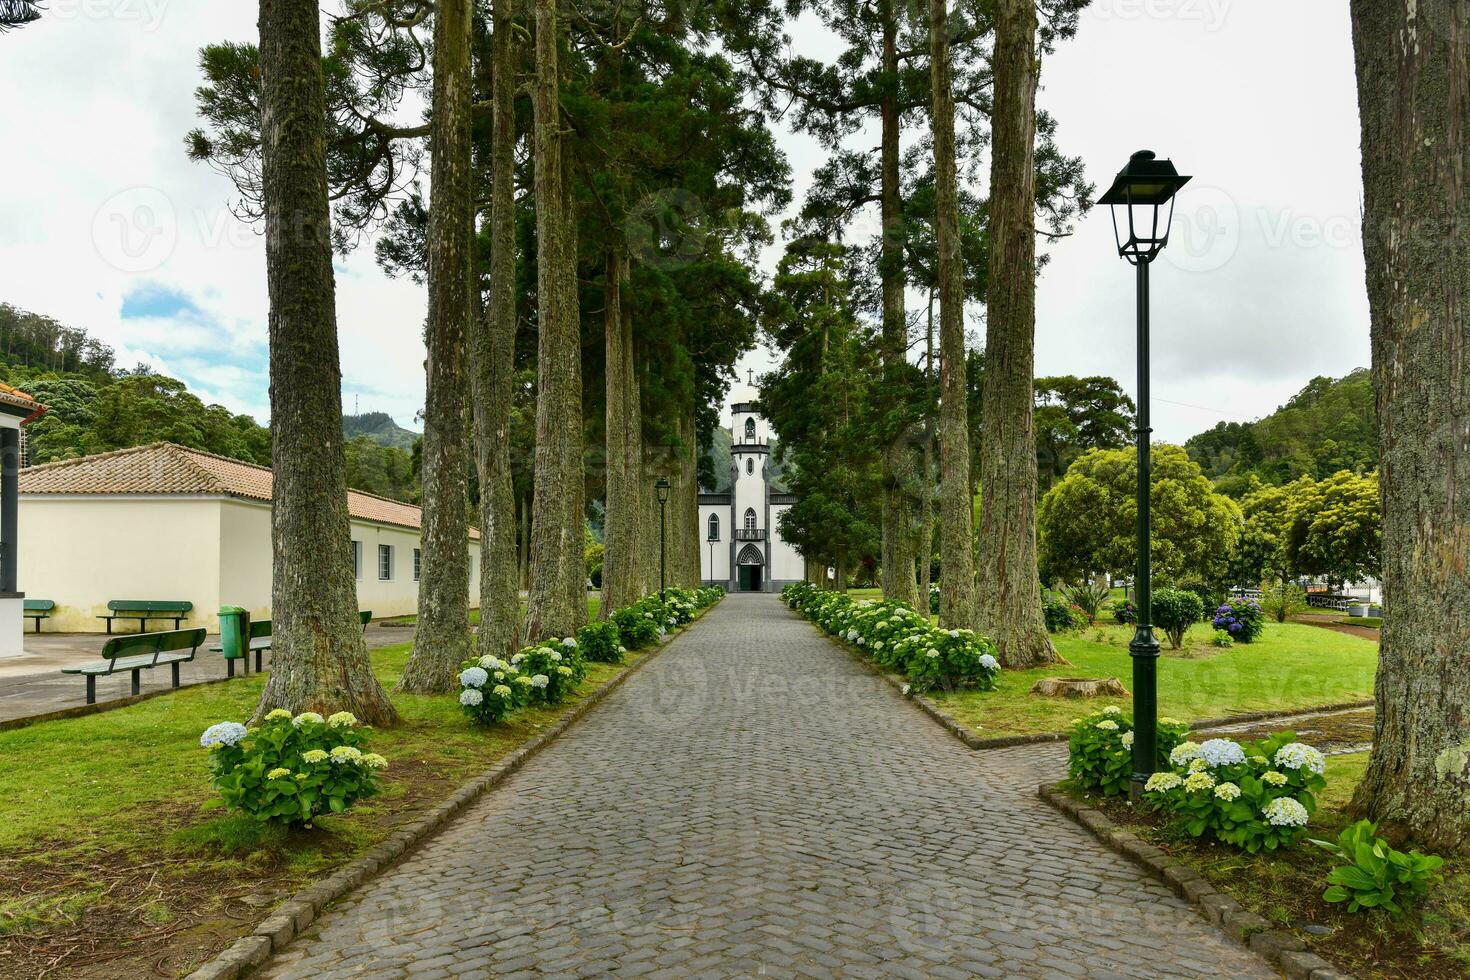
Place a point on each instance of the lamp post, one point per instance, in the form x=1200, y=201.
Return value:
x=1142, y=196
x=662, y=489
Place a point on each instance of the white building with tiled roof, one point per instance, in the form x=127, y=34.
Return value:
x=164, y=522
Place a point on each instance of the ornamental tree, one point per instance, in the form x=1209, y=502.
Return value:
x=1086, y=522
x=1333, y=527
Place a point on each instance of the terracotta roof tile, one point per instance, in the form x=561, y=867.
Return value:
x=13, y=396
x=164, y=468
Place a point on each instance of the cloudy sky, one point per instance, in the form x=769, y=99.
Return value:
x=106, y=225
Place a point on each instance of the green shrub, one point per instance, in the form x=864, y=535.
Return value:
x=555, y=667
x=636, y=626
x=1061, y=615
x=1280, y=600
x=1222, y=639
x=1088, y=596
x=1372, y=875
x=1256, y=796
x=899, y=638
x=1242, y=618
x=600, y=642
x=1101, y=749
x=491, y=689
x=291, y=770
x=1125, y=612
x=1175, y=611
x=1209, y=596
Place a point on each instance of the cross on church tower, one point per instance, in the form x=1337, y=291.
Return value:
x=750, y=376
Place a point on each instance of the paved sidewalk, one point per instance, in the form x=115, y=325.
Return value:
x=755, y=803
x=33, y=684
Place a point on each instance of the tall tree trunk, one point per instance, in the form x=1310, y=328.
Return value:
x=442, y=640
x=897, y=566
x=494, y=365
x=320, y=662
x=684, y=507
x=524, y=555
x=620, y=580
x=956, y=520
x=926, y=512
x=1010, y=596
x=1414, y=98
x=557, y=606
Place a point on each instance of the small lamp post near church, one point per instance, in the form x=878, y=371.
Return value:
x=1142, y=196
x=662, y=488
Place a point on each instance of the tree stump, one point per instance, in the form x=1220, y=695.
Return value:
x=1080, y=687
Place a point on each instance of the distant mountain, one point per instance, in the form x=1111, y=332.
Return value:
x=380, y=428
x=1330, y=425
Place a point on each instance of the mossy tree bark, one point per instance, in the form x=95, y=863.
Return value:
x=1413, y=67
x=621, y=582
x=493, y=363
x=956, y=528
x=1009, y=608
x=557, y=604
x=897, y=563
x=442, y=640
x=319, y=662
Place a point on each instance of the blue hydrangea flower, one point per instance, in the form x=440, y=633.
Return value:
x=225, y=733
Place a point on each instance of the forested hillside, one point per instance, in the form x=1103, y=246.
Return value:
x=95, y=407
x=381, y=428
x=1329, y=425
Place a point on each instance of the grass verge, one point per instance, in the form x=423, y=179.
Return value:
x=115, y=855
x=1430, y=942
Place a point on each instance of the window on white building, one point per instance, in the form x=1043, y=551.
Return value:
x=357, y=559
x=417, y=558
x=714, y=527
x=750, y=466
x=385, y=562
x=750, y=518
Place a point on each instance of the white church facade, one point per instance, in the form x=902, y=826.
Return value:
x=743, y=550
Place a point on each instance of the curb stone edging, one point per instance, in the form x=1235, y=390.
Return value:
x=292, y=917
x=1280, y=949
x=974, y=741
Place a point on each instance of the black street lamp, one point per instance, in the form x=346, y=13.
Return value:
x=662, y=489
x=1144, y=192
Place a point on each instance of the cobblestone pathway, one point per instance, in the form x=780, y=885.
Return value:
x=755, y=803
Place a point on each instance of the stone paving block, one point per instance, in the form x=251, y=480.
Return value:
x=755, y=801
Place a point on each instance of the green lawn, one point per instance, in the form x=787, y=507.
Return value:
x=1291, y=666
x=112, y=827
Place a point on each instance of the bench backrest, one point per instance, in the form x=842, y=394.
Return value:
x=259, y=628
x=40, y=605
x=142, y=644
x=149, y=605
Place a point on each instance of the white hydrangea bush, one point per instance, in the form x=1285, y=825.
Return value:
x=1100, y=749
x=1257, y=796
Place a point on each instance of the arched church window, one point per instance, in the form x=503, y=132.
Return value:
x=750, y=466
x=750, y=430
x=750, y=518
x=714, y=527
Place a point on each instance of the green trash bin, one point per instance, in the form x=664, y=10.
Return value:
x=234, y=637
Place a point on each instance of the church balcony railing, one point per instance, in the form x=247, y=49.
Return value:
x=749, y=534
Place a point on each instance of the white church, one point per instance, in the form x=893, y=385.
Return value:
x=743, y=550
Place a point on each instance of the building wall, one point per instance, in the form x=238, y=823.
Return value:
x=786, y=564
x=715, y=561
x=245, y=575
x=81, y=551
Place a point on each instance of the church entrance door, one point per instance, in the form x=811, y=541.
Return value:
x=750, y=578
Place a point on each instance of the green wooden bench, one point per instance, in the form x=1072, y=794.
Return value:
x=260, y=641
x=39, y=609
x=138, y=652
x=146, y=609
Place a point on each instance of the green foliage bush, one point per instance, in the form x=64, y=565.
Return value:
x=1372, y=875
x=1175, y=611
x=1125, y=612
x=491, y=689
x=1242, y=618
x=555, y=667
x=1061, y=615
x=1100, y=748
x=1087, y=596
x=601, y=643
x=291, y=770
x=1222, y=639
x=1280, y=599
x=1254, y=796
x=1209, y=596
x=900, y=639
